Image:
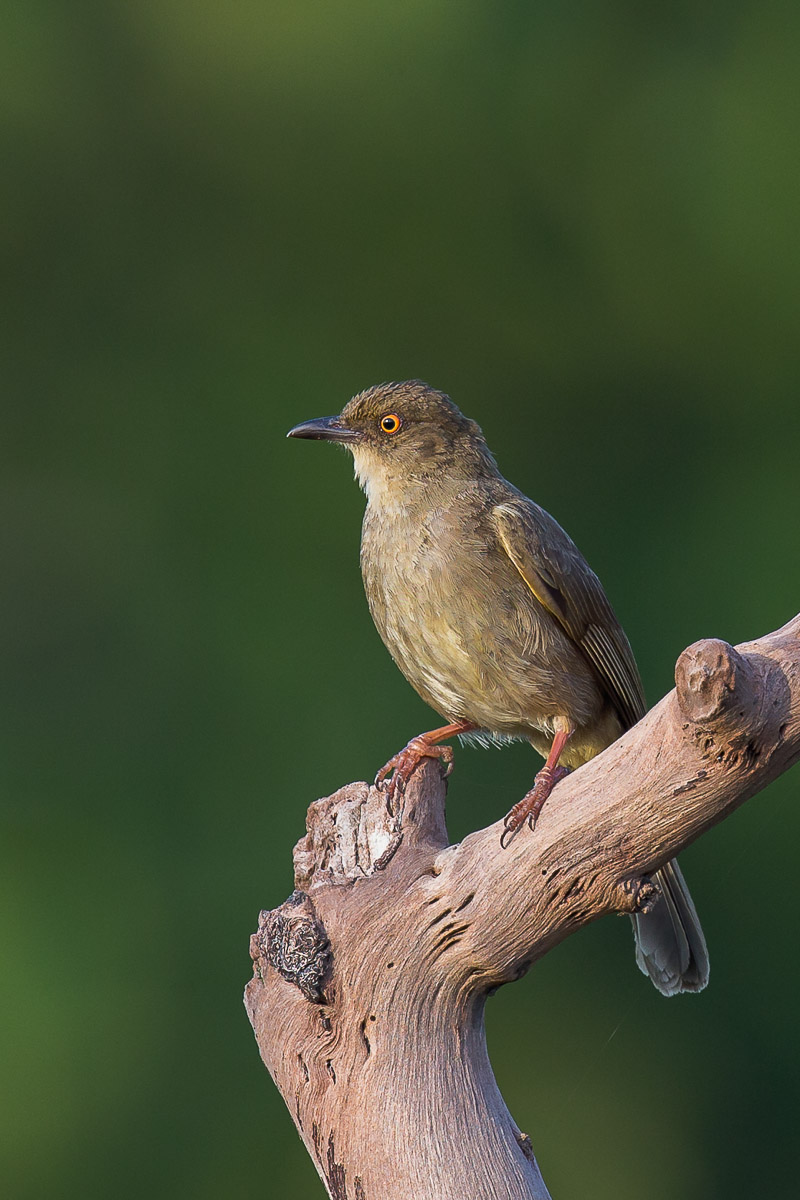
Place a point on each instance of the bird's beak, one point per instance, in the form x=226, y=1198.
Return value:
x=325, y=429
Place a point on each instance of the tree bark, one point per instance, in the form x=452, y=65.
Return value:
x=370, y=981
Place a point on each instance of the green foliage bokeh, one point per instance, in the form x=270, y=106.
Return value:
x=580, y=219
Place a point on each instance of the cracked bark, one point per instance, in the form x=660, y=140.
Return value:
x=370, y=981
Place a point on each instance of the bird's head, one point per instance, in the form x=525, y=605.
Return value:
x=404, y=432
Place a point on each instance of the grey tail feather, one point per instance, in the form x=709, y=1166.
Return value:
x=670, y=946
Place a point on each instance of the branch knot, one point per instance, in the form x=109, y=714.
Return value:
x=641, y=895
x=293, y=940
x=711, y=679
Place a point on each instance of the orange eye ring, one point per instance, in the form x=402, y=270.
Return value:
x=390, y=423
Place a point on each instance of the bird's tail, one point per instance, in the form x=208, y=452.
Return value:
x=670, y=946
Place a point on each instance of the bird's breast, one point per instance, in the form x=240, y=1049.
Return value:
x=460, y=623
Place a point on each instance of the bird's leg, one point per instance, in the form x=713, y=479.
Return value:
x=533, y=801
x=425, y=745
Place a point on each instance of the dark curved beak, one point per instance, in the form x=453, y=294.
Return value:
x=325, y=429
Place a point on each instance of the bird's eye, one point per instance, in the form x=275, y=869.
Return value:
x=390, y=423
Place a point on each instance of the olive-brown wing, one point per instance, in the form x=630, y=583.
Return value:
x=563, y=582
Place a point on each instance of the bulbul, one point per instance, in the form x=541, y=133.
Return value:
x=495, y=618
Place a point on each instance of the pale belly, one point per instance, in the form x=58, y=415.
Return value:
x=469, y=636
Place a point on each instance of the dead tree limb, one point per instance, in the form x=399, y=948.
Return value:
x=370, y=981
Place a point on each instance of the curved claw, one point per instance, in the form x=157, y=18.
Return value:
x=513, y=822
x=394, y=776
x=531, y=805
x=507, y=836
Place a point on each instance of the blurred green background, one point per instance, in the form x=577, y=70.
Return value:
x=581, y=220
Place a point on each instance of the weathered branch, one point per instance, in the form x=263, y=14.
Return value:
x=367, y=1000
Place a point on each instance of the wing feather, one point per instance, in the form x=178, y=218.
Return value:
x=562, y=581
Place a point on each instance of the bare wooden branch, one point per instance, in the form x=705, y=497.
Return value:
x=370, y=981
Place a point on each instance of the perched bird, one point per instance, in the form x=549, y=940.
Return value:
x=495, y=618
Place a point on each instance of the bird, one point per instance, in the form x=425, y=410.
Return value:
x=497, y=621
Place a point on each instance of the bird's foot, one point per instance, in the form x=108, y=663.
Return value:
x=425, y=745
x=394, y=776
x=531, y=803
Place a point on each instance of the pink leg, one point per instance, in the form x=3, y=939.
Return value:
x=425, y=745
x=533, y=802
